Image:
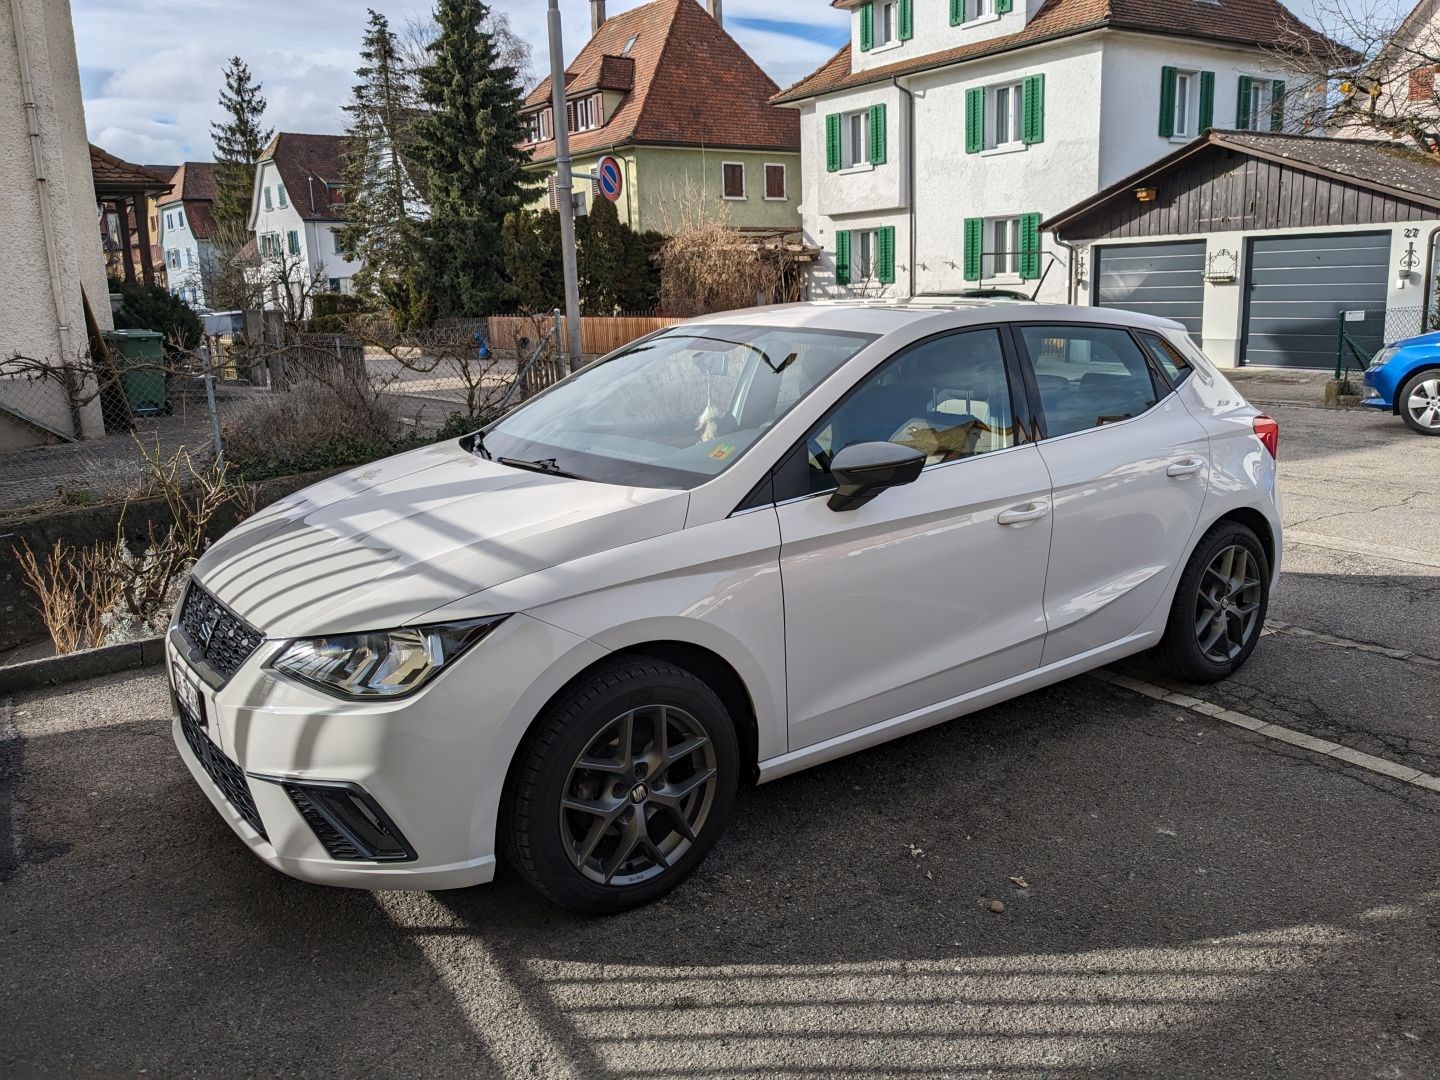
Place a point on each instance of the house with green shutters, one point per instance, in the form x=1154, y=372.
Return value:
x=935, y=143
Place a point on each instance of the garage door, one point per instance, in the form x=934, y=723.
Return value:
x=1167, y=280
x=1298, y=287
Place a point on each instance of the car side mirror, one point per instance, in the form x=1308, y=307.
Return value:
x=864, y=470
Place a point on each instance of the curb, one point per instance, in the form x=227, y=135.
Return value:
x=75, y=667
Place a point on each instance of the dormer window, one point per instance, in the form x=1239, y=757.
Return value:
x=585, y=114
x=539, y=127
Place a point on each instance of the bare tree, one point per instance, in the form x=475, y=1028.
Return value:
x=415, y=38
x=1372, y=71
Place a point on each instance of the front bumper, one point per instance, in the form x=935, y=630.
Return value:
x=1380, y=390
x=432, y=765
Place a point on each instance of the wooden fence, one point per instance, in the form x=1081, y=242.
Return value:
x=599, y=334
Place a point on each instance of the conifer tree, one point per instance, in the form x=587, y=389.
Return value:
x=238, y=143
x=468, y=141
x=381, y=201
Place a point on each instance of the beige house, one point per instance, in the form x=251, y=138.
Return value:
x=50, y=252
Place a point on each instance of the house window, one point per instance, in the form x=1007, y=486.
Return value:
x=584, y=114
x=294, y=239
x=168, y=223
x=268, y=205
x=180, y=219
x=334, y=284
x=630, y=45
x=1422, y=84
x=734, y=179
x=970, y=10
x=1003, y=257
x=1182, y=123
x=172, y=258
x=855, y=139
x=280, y=194
x=775, y=182
x=189, y=256
x=1004, y=115
x=864, y=244
x=887, y=16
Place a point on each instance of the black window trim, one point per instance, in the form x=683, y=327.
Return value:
x=772, y=490
x=1164, y=388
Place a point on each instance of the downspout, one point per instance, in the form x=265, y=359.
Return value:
x=42, y=192
x=909, y=170
x=1069, y=270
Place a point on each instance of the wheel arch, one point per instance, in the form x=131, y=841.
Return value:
x=1257, y=523
x=1430, y=363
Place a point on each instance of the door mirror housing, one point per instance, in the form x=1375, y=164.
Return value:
x=864, y=470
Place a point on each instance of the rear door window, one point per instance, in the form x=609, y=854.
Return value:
x=1088, y=376
x=1176, y=368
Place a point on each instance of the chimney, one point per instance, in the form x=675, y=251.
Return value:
x=717, y=11
x=597, y=16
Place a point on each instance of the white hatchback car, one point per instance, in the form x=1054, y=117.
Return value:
x=740, y=547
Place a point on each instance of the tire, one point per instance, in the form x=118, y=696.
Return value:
x=1425, y=387
x=632, y=801
x=1183, y=650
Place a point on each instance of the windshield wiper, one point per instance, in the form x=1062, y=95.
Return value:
x=542, y=465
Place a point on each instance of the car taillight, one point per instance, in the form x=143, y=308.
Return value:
x=1269, y=432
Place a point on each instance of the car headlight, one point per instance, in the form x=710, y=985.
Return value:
x=1384, y=356
x=383, y=663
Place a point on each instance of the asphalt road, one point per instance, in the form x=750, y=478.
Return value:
x=1181, y=897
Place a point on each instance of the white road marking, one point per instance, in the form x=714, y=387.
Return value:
x=1275, y=626
x=1278, y=732
x=1360, y=547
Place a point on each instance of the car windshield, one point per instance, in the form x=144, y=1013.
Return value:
x=674, y=410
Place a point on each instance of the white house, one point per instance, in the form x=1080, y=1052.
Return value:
x=297, y=204
x=935, y=143
x=187, y=230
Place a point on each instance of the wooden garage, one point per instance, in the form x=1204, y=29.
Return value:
x=1263, y=245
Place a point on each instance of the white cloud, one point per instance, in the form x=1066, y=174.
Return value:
x=152, y=68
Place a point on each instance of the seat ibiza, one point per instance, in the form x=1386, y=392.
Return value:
x=738, y=548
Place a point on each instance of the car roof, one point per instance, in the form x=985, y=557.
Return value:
x=881, y=317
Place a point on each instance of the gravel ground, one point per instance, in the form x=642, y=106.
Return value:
x=1180, y=897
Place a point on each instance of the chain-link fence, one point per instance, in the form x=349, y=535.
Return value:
x=269, y=399
x=1362, y=332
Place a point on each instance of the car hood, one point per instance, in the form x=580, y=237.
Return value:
x=379, y=546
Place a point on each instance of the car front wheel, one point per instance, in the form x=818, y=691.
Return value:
x=622, y=787
x=1219, y=607
x=1420, y=402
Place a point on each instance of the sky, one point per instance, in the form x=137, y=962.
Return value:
x=151, y=70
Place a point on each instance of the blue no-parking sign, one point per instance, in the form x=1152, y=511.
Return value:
x=609, y=178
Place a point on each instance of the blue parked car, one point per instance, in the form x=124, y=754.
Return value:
x=1405, y=378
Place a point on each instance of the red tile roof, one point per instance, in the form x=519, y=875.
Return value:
x=307, y=163
x=693, y=86
x=1241, y=22
x=194, y=185
x=114, y=176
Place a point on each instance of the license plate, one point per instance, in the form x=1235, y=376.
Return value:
x=187, y=693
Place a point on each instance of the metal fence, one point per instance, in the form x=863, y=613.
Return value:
x=88, y=432
x=1362, y=332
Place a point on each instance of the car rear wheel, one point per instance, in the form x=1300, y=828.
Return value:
x=622, y=787
x=1420, y=402
x=1219, y=607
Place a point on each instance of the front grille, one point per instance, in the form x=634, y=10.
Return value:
x=215, y=633
x=228, y=776
x=336, y=846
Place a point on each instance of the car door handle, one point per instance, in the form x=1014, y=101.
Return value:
x=1023, y=515
x=1187, y=467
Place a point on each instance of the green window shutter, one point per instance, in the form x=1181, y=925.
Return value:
x=1168, y=78
x=907, y=19
x=842, y=257
x=974, y=247
x=832, y=143
x=867, y=26
x=1033, y=105
x=1277, y=105
x=1242, y=104
x=886, y=255
x=1029, y=247
x=877, y=135
x=1207, y=100
x=957, y=12
x=974, y=120
x=1002, y=7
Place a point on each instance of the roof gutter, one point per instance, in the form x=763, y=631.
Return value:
x=909, y=169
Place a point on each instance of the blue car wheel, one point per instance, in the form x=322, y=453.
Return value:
x=1419, y=402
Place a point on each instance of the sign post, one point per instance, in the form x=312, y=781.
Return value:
x=564, y=187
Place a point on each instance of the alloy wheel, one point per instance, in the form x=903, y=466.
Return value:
x=638, y=795
x=1424, y=403
x=1227, y=609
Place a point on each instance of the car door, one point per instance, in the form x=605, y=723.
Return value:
x=1129, y=467
x=931, y=590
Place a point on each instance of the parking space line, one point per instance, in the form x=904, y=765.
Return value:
x=1393, y=769
x=1290, y=630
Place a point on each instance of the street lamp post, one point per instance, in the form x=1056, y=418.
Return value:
x=564, y=187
